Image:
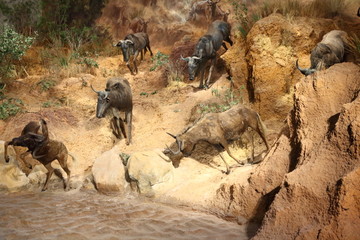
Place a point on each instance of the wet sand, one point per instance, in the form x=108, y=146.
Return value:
x=81, y=215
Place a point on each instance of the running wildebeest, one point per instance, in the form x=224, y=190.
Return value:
x=218, y=129
x=117, y=97
x=131, y=46
x=326, y=53
x=45, y=150
x=206, y=49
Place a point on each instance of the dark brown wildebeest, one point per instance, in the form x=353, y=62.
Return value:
x=326, y=53
x=117, y=97
x=45, y=150
x=131, y=46
x=206, y=49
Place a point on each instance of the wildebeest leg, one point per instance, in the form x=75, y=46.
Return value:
x=129, y=123
x=260, y=129
x=63, y=163
x=134, y=61
x=227, y=39
x=118, y=124
x=148, y=47
x=226, y=164
x=113, y=125
x=6, y=144
x=202, y=73
x=48, y=175
x=224, y=45
x=252, y=147
x=142, y=53
x=122, y=127
x=226, y=146
x=213, y=61
x=129, y=67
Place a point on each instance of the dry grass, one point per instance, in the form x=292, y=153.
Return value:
x=316, y=8
x=247, y=15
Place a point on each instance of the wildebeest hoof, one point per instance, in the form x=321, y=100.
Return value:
x=7, y=159
x=226, y=172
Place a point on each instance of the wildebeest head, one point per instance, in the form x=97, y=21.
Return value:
x=184, y=147
x=194, y=63
x=103, y=102
x=29, y=140
x=322, y=57
x=127, y=48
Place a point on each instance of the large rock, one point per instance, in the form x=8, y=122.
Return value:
x=109, y=173
x=149, y=168
x=303, y=188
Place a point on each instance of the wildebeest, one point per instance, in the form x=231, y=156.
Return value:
x=117, y=97
x=31, y=127
x=218, y=129
x=131, y=46
x=138, y=24
x=206, y=49
x=45, y=150
x=207, y=8
x=215, y=12
x=326, y=53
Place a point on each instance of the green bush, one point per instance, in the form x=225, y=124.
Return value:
x=158, y=60
x=229, y=97
x=10, y=107
x=12, y=47
x=89, y=62
x=46, y=84
x=50, y=103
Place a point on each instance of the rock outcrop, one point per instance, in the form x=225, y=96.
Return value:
x=303, y=188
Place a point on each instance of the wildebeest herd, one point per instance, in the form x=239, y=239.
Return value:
x=218, y=129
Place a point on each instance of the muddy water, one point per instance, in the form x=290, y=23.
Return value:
x=92, y=216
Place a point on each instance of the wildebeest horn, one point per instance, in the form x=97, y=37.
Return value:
x=37, y=156
x=179, y=143
x=171, y=135
x=129, y=41
x=197, y=58
x=94, y=89
x=184, y=59
x=305, y=71
x=169, y=149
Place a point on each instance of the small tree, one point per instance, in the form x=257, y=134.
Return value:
x=12, y=47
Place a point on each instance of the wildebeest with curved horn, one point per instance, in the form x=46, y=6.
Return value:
x=206, y=49
x=218, y=129
x=118, y=98
x=326, y=53
x=131, y=46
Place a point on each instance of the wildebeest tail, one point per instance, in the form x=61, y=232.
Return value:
x=72, y=155
x=262, y=129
